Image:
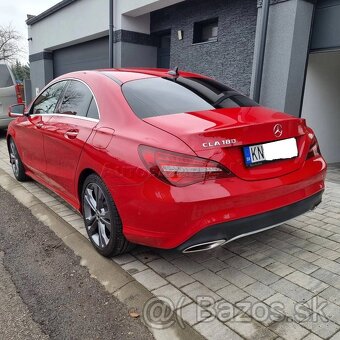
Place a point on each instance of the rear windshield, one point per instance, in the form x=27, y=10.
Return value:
x=162, y=96
x=5, y=76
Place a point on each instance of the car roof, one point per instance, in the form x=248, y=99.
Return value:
x=128, y=74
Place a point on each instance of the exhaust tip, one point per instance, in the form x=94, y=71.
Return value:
x=204, y=246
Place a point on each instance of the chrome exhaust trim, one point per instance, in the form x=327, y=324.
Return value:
x=204, y=246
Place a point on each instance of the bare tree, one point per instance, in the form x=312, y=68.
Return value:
x=9, y=43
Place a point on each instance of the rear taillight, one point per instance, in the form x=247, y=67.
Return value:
x=314, y=149
x=19, y=89
x=178, y=169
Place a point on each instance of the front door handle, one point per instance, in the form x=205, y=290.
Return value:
x=71, y=134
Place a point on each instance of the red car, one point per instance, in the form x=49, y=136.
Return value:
x=166, y=159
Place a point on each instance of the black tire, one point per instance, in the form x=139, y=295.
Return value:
x=16, y=163
x=101, y=218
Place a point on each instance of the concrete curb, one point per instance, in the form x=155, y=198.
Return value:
x=115, y=280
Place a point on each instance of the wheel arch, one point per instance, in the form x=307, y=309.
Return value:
x=81, y=179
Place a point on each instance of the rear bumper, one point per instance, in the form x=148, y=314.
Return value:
x=232, y=230
x=161, y=216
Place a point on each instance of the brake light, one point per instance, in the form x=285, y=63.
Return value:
x=314, y=149
x=178, y=169
x=19, y=89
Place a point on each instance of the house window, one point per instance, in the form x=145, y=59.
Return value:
x=205, y=31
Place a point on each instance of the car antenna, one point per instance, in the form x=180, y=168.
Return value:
x=174, y=72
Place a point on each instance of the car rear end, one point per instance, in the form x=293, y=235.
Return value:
x=251, y=168
x=10, y=93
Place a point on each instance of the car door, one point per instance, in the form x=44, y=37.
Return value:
x=29, y=132
x=68, y=131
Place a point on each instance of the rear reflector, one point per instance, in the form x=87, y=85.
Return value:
x=179, y=169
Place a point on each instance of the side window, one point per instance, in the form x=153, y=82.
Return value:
x=93, y=110
x=48, y=100
x=76, y=100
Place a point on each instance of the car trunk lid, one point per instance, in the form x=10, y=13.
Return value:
x=222, y=134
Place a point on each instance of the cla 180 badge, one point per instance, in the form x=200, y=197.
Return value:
x=223, y=142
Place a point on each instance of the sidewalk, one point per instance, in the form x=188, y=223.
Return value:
x=284, y=282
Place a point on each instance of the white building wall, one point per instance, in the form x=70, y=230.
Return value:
x=321, y=105
x=76, y=22
x=88, y=19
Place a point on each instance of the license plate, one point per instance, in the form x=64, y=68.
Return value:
x=261, y=153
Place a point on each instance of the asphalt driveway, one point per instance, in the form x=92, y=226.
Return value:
x=282, y=283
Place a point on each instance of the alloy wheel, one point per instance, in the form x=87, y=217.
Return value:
x=97, y=215
x=14, y=158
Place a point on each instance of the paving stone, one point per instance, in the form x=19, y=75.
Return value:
x=237, y=262
x=200, y=293
x=163, y=267
x=307, y=282
x=187, y=265
x=331, y=294
x=261, y=274
x=259, y=290
x=174, y=298
x=223, y=310
x=327, y=277
x=216, y=330
x=304, y=266
x=289, y=330
x=259, y=311
x=312, y=336
x=210, y=280
x=125, y=258
x=134, y=267
x=294, y=310
x=292, y=290
x=214, y=264
x=328, y=253
x=194, y=314
x=307, y=256
x=325, y=308
x=149, y=279
x=336, y=237
x=332, y=266
x=335, y=336
x=280, y=256
x=146, y=256
x=279, y=269
x=232, y=294
x=265, y=262
x=325, y=242
x=236, y=277
x=322, y=328
x=180, y=279
x=249, y=328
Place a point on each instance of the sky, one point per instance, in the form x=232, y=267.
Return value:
x=15, y=12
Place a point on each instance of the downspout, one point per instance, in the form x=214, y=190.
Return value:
x=261, y=51
x=111, y=33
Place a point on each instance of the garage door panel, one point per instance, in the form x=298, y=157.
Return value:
x=90, y=55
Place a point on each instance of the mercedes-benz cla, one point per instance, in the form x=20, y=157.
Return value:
x=165, y=159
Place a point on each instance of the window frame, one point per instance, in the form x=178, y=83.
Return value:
x=67, y=80
x=31, y=113
x=198, y=31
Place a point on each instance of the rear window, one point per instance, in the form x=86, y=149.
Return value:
x=5, y=76
x=162, y=96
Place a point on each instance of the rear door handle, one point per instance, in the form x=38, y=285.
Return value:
x=71, y=134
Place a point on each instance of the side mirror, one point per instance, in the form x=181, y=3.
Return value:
x=17, y=110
